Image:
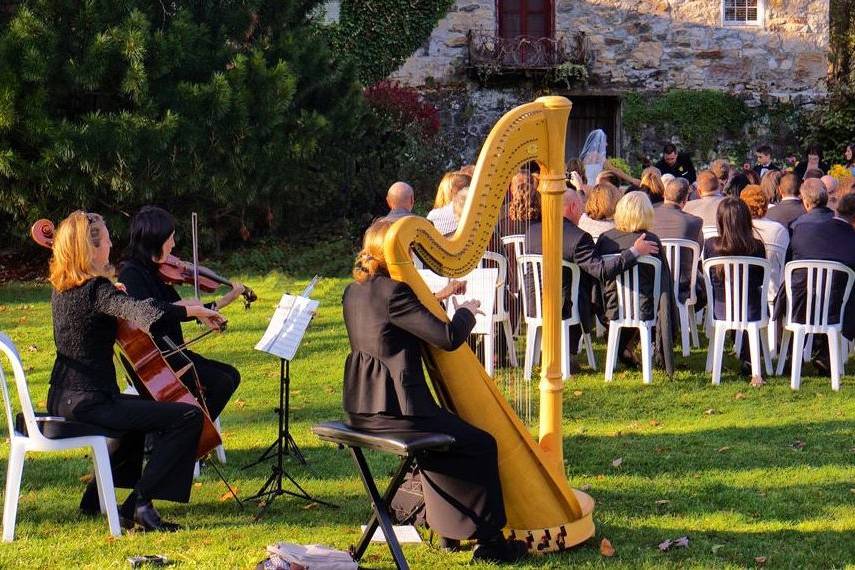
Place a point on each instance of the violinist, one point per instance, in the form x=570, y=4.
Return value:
x=86, y=305
x=152, y=237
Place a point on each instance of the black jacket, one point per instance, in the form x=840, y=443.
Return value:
x=818, y=215
x=683, y=168
x=578, y=248
x=386, y=325
x=785, y=212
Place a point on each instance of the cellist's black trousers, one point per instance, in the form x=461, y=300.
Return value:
x=175, y=429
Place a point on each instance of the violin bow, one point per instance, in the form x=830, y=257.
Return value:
x=194, y=233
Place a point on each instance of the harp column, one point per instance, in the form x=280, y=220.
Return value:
x=552, y=186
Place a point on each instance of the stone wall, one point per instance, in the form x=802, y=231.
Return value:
x=655, y=45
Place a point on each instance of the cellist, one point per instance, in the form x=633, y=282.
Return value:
x=152, y=237
x=86, y=305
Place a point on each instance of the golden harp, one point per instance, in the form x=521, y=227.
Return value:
x=541, y=507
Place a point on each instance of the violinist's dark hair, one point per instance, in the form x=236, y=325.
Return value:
x=150, y=228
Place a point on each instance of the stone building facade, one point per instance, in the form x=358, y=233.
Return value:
x=762, y=51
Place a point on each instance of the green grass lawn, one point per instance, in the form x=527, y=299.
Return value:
x=743, y=472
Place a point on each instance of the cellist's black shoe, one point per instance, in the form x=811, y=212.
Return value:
x=147, y=517
x=89, y=504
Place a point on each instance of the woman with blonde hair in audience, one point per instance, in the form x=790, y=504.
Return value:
x=769, y=184
x=770, y=232
x=600, y=210
x=442, y=215
x=633, y=219
x=651, y=184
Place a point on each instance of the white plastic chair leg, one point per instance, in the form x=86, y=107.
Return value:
x=834, y=359
x=589, y=348
x=718, y=354
x=489, y=366
x=600, y=330
x=530, y=346
x=14, y=470
x=808, y=350
x=737, y=344
x=106, y=492
x=796, y=365
x=646, y=355
x=611, y=351
x=693, y=327
x=509, y=340
x=754, y=349
x=764, y=350
x=771, y=336
x=220, y=451
x=684, y=328
x=565, y=352
x=782, y=353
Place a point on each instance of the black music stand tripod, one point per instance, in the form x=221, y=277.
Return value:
x=272, y=488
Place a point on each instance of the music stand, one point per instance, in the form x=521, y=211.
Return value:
x=281, y=339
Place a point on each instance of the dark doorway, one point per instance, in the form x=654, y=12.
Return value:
x=590, y=113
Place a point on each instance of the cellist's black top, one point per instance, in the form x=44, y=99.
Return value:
x=84, y=331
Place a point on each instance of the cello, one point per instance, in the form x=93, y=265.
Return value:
x=153, y=377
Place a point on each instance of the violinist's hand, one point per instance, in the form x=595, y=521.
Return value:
x=644, y=247
x=472, y=305
x=189, y=303
x=121, y=287
x=208, y=317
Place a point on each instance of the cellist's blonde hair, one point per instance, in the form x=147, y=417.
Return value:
x=371, y=260
x=72, y=263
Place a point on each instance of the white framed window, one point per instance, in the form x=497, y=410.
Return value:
x=742, y=12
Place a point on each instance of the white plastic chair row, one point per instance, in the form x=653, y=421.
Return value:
x=629, y=300
x=34, y=440
x=531, y=266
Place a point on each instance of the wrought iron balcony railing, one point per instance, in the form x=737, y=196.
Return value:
x=487, y=50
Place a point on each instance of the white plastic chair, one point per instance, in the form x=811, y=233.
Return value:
x=516, y=244
x=819, y=276
x=35, y=440
x=735, y=272
x=501, y=318
x=776, y=256
x=532, y=266
x=628, y=286
x=674, y=250
x=709, y=232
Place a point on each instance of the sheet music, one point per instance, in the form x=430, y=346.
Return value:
x=288, y=325
x=480, y=284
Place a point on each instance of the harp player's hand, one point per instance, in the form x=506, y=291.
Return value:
x=472, y=305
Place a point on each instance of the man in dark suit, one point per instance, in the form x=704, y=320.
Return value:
x=679, y=165
x=790, y=207
x=671, y=222
x=830, y=241
x=705, y=207
x=578, y=248
x=814, y=199
x=764, y=161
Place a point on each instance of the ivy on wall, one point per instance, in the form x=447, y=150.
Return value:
x=698, y=118
x=379, y=35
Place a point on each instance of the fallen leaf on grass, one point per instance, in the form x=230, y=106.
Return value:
x=655, y=423
x=852, y=490
x=662, y=449
x=710, y=412
x=723, y=449
x=617, y=462
x=739, y=396
x=606, y=548
x=229, y=495
x=197, y=485
x=42, y=404
x=310, y=506
x=33, y=348
x=681, y=542
x=760, y=560
x=716, y=547
x=663, y=502
x=577, y=393
x=86, y=478
x=240, y=404
x=587, y=487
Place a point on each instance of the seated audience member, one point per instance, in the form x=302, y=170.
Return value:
x=678, y=165
x=812, y=162
x=578, y=248
x=848, y=186
x=671, y=222
x=385, y=392
x=736, y=238
x=457, y=205
x=831, y=185
x=814, y=199
x=813, y=173
x=651, y=184
x=790, y=206
x=764, y=161
x=849, y=158
x=575, y=165
x=830, y=241
x=633, y=220
x=769, y=184
x=400, y=199
x=737, y=183
x=721, y=168
x=599, y=210
x=770, y=233
x=442, y=215
x=705, y=206
x=609, y=177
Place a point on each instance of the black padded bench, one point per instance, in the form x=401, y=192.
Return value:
x=407, y=446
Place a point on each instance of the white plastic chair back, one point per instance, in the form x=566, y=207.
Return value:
x=674, y=252
x=735, y=272
x=497, y=260
x=709, y=232
x=628, y=287
x=819, y=305
x=531, y=266
x=10, y=350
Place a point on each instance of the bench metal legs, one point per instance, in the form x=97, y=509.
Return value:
x=380, y=507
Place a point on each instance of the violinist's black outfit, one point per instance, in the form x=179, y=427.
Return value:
x=385, y=391
x=83, y=388
x=218, y=379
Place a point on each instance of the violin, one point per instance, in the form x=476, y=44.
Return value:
x=174, y=271
x=151, y=374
